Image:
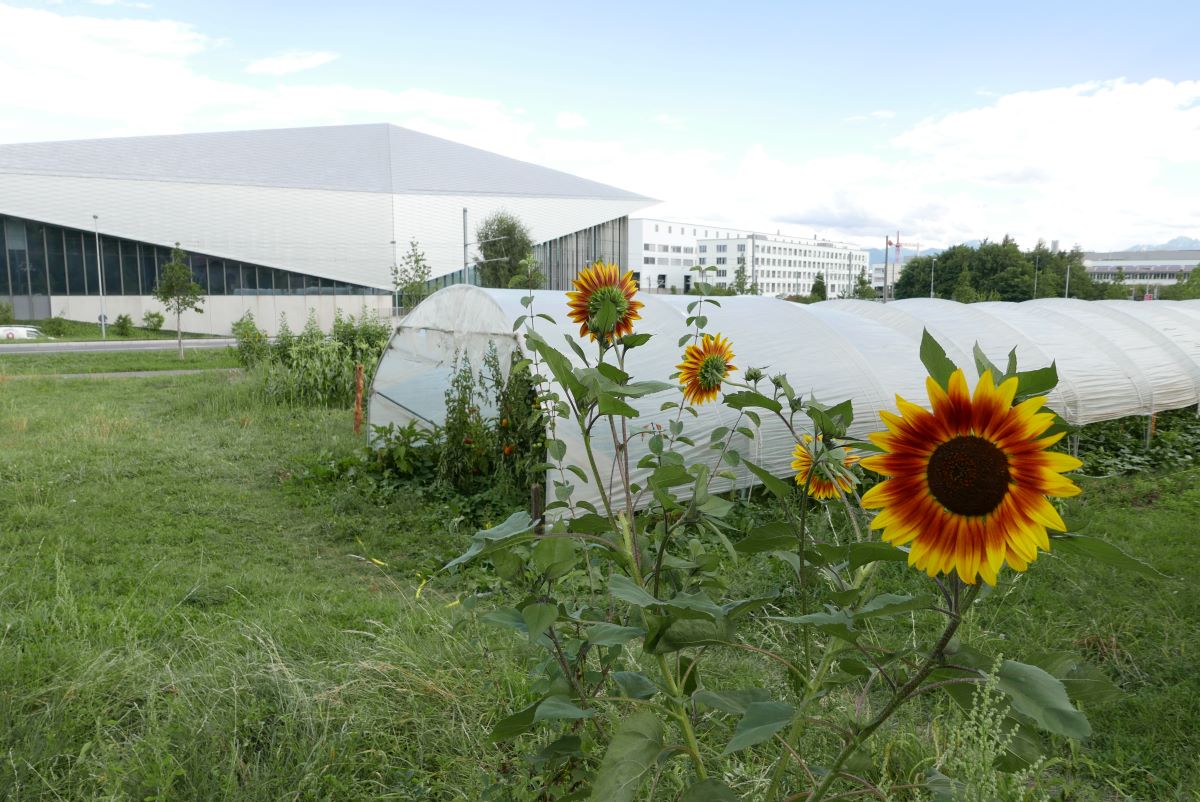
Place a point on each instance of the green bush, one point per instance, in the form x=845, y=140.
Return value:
x=123, y=326
x=54, y=327
x=253, y=345
x=6, y=313
x=153, y=321
x=315, y=373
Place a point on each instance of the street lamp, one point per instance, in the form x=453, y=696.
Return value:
x=100, y=276
x=932, y=268
x=1036, y=265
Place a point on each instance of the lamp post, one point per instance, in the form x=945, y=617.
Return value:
x=1036, y=264
x=100, y=276
x=932, y=268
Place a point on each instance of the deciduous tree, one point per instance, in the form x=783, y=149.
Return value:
x=178, y=292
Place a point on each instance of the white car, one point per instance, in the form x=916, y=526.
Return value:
x=20, y=333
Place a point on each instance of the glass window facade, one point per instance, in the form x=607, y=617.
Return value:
x=38, y=259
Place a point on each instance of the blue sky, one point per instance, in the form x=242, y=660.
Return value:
x=948, y=121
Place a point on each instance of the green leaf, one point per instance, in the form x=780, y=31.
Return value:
x=556, y=448
x=1101, y=551
x=631, y=753
x=1035, y=693
x=609, y=404
x=538, y=617
x=517, y=524
x=716, y=506
x=773, y=536
x=838, y=623
x=554, y=556
x=734, y=702
x=710, y=790
x=983, y=364
x=514, y=725
x=761, y=721
x=634, y=685
x=634, y=340
x=749, y=398
x=778, y=487
x=872, y=551
x=886, y=604
x=560, y=708
x=934, y=358
x=605, y=634
x=1037, y=382
x=671, y=633
x=506, y=617
x=625, y=589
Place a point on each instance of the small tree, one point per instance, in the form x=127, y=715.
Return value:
x=411, y=277
x=178, y=292
x=862, y=287
x=819, y=292
x=504, y=243
x=528, y=275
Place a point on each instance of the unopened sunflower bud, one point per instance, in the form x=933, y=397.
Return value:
x=754, y=375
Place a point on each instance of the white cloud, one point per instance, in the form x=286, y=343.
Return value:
x=881, y=114
x=125, y=3
x=288, y=63
x=568, y=120
x=671, y=121
x=1104, y=164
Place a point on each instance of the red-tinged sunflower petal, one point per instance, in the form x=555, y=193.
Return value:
x=1060, y=462
x=1043, y=512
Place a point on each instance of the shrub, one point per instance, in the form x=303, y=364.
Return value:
x=284, y=340
x=253, y=345
x=54, y=327
x=123, y=326
x=6, y=313
x=153, y=321
x=314, y=373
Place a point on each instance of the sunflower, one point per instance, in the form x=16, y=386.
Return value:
x=831, y=469
x=968, y=482
x=704, y=367
x=602, y=303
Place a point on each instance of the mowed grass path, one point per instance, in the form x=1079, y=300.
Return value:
x=40, y=364
x=179, y=621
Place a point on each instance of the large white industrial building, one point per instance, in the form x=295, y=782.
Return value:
x=664, y=255
x=1144, y=268
x=275, y=222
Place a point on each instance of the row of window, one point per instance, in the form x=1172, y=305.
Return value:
x=1111, y=276
x=648, y=246
x=42, y=259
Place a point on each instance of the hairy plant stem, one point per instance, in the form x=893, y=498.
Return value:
x=587, y=446
x=910, y=689
x=678, y=708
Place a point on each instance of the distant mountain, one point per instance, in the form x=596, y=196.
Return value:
x=1177, y=244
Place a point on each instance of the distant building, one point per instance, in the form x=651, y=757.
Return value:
x=1150, y=268
x=665, y=254
x=276, y=222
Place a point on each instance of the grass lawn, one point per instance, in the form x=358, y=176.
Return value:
x=180, y=619
x=115, y=361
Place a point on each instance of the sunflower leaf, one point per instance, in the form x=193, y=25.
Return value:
x=1037, y=382
x=934, y=358
x=983, y=365
x=760, y=722
x=1102, y=551
x=749, y=398
x=1034, y=692
x=629, y=758
x=778, y=487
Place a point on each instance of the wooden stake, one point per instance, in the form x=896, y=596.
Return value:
x=358, y=398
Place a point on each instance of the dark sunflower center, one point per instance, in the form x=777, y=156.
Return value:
x=606, y=307
x=968, y=475
x=711, y=372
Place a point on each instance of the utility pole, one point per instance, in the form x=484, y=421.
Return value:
x=100, y=276
x=1036, y=262
x=1067, y=283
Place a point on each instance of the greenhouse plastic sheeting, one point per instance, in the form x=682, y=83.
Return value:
x=1114, y=358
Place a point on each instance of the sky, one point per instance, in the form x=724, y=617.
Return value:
x=944, y=121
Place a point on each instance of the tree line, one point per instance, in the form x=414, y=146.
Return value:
x=1001, y=271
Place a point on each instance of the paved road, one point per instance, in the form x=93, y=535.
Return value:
x=55, y=347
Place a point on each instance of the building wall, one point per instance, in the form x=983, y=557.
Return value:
x=221, y=312
x=564, y=257
x=666, y=253
x=1152, y=268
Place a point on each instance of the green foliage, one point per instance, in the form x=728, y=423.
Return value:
x=410, y=278
x=54, y=327
x=1120, y=447
x=1186, y=287
x=819, y=291
x=312, y=369
x=6, y=313
x=153, y=321
x=528, y=276
x=253, y=344
x=504, y=243
x=998, y=271
x=123, y=326
x=177, y=291
x=862, y=287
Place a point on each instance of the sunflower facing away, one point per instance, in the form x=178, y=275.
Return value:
x=831, y=471
x=704, y=367
x=602, y=303
x=967, y=483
